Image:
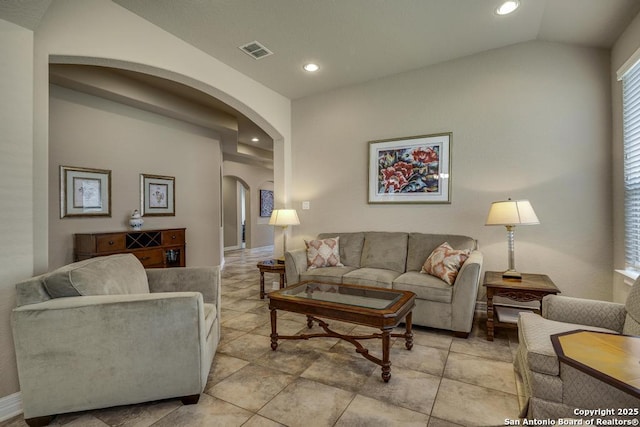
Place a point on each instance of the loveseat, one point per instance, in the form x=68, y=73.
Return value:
x=395, y=260
x=105, y=332
x=554, y=390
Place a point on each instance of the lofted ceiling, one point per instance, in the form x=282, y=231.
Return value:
x=354, y=41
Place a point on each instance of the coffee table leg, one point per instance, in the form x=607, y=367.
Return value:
x=274, y=333
x=309, y=322
x=261, y=284
x=281, y=280
x=386, y=364
x=408, y=334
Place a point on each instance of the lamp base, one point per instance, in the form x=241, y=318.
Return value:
x=512, y=275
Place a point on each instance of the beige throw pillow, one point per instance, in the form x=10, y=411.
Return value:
x=445, y=262
x=323, y=253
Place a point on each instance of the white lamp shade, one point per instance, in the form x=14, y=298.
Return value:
x=512, y=212
x=283, y=217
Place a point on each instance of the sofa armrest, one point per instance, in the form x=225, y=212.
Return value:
x=465, y=293
x=295, y=262
x=602, y=314
x=205, y=280
x=114, y=341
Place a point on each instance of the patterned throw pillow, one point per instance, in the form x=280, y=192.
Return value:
x=323, y=253
x=445, y=262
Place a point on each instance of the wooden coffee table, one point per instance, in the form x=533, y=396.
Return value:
x=362, y=305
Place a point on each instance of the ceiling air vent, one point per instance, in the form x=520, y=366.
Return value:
x=255, y=50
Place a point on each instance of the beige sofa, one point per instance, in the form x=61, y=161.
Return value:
x=554, y=390
x=394, y=260
x=105, y=332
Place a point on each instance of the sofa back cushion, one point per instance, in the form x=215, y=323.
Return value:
x=108, y=275
x=350, y=247
x=421, y=245
x=387, y=250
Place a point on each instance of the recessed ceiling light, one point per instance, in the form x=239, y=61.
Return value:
x=507, y=7
x=254, y=139
x=311, y=67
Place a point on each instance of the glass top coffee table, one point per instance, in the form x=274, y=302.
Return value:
x=375, y=307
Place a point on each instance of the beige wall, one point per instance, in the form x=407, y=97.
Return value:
x=624, y=48
x=16, y=195
x=92, y=132
x=529, y=121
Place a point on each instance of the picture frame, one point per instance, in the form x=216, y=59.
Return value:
x=84, y=192
x=415, y=169
x=266, y=203
x=157, y=195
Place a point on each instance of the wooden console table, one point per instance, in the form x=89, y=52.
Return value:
x=532, y=287
x=154, y=248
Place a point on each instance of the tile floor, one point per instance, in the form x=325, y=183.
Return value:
x=443, y=381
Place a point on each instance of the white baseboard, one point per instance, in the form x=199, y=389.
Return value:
x=10, y=406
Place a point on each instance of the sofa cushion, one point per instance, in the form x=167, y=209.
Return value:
x=445, y=262
x=350, y=247
x=385, y=250
x=108, y=275
x=535, y=331
x=420, y=246
x=326, y=274
x=425, y=286
x=323, y=253
x=376, y=277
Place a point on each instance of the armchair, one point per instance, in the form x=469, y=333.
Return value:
x=106, y=332
x=553, y=391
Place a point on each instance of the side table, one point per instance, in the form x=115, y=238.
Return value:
x=271, y=266
x=532, y=287
x=611, y=358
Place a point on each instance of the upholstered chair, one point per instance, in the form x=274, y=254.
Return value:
x=553, y=390
x=106, y=332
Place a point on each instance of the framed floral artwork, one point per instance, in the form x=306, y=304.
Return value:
x=84, y=192
x=157, y=195
x=414, y=169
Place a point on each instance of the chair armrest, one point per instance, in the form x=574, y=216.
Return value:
x=115, y=341
x=465, y=293
x=602, y=314
x=205, y=280
x=295, y=262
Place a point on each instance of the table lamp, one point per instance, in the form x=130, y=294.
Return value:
x=511, y=213
x=284, y=218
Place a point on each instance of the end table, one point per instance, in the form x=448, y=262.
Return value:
x=532, y=287
x=271, y=266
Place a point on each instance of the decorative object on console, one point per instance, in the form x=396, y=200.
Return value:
x=445, y=262
x=157, y=195
x=266, y=203
x=136, y=221
x=511, y=213
x=84, y=192
x=323, y=253
x=415, y=169
x=284, y=218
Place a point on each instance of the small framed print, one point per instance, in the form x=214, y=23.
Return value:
x=266, y=203
x=157, y=195
x=84, y=192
